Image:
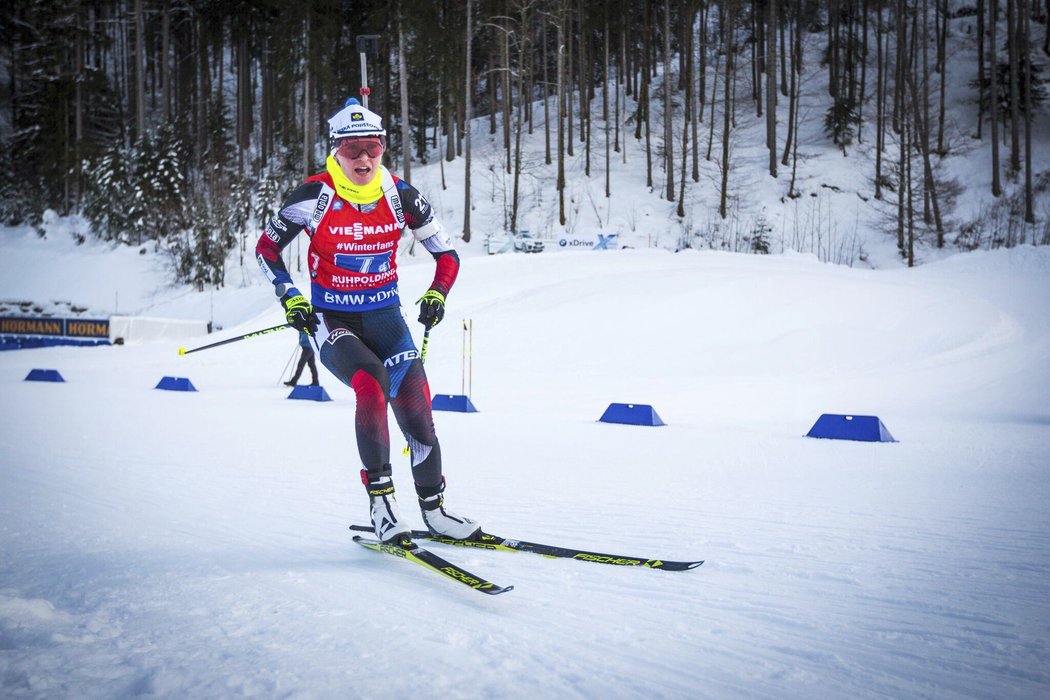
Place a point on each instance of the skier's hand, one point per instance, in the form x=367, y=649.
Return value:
x=300, y=314
x=431, y=308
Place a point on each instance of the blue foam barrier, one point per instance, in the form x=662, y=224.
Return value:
x=176, y=384
x=834, y=426
x=452, y=402
x=44, y=375
x=631, y=414
x=309, y=392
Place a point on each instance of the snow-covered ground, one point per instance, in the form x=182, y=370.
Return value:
x=195, y=544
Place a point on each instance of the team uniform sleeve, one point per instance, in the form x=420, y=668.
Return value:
x=428, y=230
x=280, y=230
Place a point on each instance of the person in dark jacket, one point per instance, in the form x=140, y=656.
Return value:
x=306, y=357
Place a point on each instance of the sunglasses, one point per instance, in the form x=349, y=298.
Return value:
x=351, y=149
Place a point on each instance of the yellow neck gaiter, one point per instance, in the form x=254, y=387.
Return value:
x=358, y=194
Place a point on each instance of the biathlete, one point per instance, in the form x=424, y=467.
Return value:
x=355, y=213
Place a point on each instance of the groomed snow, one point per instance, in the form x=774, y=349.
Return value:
x=195, y=544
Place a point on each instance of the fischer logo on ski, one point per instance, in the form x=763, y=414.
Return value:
x=412, y=552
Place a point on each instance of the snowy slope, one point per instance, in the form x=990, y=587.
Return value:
x=195, y=545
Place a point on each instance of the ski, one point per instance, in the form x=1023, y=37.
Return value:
x=424, y=557
x=483, y=540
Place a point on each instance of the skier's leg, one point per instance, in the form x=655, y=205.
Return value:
x=410, y=401
x=354, y=364
x=298, y=370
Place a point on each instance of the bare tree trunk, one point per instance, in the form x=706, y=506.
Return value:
x=468, y=92
x=567, y=112
x=1026, y=37
x=203, y=93
x=882, y=68
x=833, y=47
x=727, y=107
x=266, y=115
x=930, y=183
x=693, y=104
x=561, y=116
x=239, y=57
x=625, y=77
x=902, y=185
x=308, y=118
x=1014, y=51
x=981, y=92
x=993, y=99
x=524, y=50
x=757, y=56
x=705, y=11
x=78, y=106
x=792, y=99
x=863, y=68
x=909, y=132
x=643, y=97
x=528, y=99
x=140, y=72
x=437, y=132
x=402, y=79
x=714, y=95
x=782, y=26
x=797, y=86
x=898, y=68
x=643, y=77
x=685, y=146
x=165, y=62
x=619, y=79
x=688, y=110
x=583, y=75
x=605, y=100
x=942, y=40
x=924, y=116
x=771, y=86
x=585, y=91
x=1046, y=29
x=668, y=111
x=507, y=101
x=450, y=135
x=546, y=99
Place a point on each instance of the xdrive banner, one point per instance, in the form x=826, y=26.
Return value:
x=598, y=241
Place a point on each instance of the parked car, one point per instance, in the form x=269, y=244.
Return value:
x=520, y=242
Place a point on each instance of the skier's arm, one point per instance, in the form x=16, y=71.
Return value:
x=281, y=230
x=428, y=230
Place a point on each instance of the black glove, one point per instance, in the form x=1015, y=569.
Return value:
x=431, y=308
x=300, y=314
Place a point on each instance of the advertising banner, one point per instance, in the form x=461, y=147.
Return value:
x=49, y=326
x=597, y=241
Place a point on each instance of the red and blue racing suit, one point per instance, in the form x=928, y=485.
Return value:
x=363, y=338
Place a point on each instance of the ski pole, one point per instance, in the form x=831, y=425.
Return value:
x=246, y=336
x=423, y=351
x=288, y=364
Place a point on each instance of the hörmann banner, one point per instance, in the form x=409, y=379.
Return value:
x=49, y=326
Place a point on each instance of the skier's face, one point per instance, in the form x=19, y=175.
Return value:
x=359, y=159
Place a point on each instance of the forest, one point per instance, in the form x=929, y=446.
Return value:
x=184, y=122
